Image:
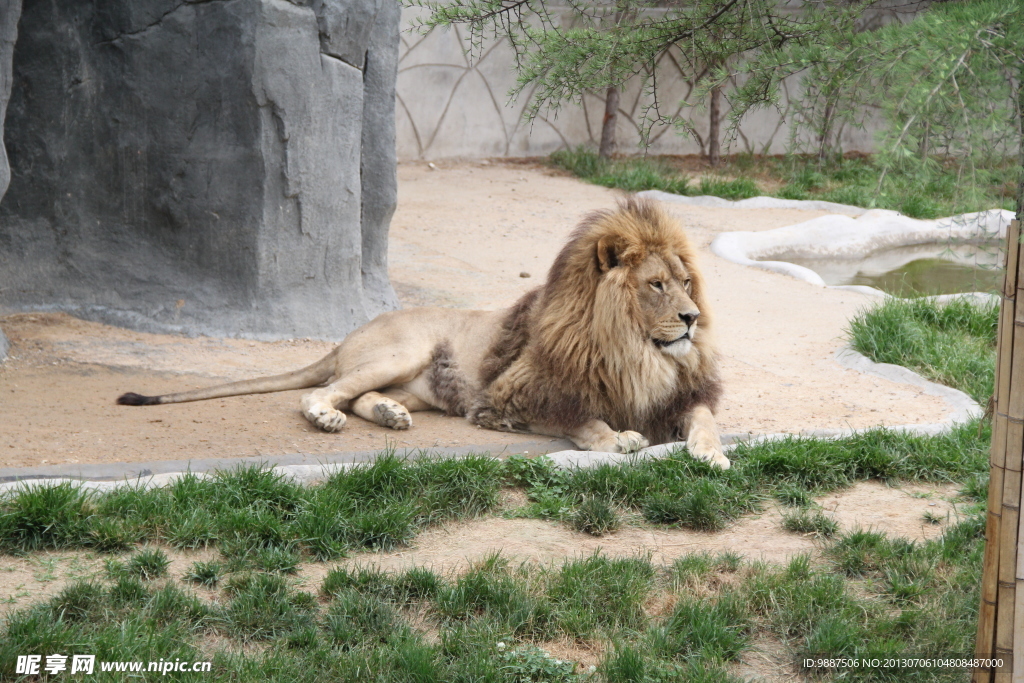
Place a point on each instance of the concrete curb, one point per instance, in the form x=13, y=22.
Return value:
x=302, y=467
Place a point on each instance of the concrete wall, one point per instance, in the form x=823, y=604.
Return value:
x=452, y=106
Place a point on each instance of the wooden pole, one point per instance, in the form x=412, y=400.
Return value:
x=1014, y=462
x=1002, y=604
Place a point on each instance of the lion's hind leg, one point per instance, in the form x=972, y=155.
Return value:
x=323, y=412
x=384, y=410
x=358, y=390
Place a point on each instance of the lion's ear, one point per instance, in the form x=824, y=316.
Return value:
x=607, y=254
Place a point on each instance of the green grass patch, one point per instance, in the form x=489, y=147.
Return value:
x=871, y=596
x=204, y=573
x=632, y=175
x=149, y=563
x=952, y=343
x=680, y=491
x=595, y=516
x=601, y=595
x=387, y=503
x=257, y=518
x=715, y=629
x=933, y=190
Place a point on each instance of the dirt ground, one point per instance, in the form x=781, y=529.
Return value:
x=897, y=511
x=451, y=548
x=468, y=234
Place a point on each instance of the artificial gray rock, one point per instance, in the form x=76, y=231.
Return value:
x=378, y=168
x=202, y=167
x=347, y=28
x=10, y=11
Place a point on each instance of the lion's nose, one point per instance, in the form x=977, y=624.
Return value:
x=689, y=318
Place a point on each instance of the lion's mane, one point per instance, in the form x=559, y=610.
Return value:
x=576, y=349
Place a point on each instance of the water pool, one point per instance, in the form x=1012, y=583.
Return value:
x=915, y=270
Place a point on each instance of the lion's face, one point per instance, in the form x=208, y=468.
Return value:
x=663, y=287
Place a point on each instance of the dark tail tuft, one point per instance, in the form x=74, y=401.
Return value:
x=133, y=399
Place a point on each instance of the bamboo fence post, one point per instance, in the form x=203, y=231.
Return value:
x=1002, y=605
x=1015, y=457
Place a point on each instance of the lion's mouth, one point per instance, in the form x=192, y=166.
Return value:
x=662, y=343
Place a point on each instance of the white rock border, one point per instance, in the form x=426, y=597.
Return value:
x=843, y=237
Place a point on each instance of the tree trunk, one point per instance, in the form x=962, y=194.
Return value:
x=826, y=133
x=611, y=118
x=715, y=112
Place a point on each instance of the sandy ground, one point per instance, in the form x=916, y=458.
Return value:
x=464, y=235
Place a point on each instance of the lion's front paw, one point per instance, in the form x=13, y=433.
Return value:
x=629, y=442
x=620, y=442
x=709, y=453
x=392, y=414
x=327, y=419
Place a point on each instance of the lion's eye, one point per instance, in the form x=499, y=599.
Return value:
x=657, y=285
x=688, y=283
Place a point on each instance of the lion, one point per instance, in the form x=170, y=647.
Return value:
x=613, y=352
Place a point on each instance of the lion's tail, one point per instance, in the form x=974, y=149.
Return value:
x=312, y=375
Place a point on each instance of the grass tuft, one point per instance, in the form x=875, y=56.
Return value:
x=739, y=188
x=262, y=607
x=148, y=564
x=595, y=516
x=600, y=593
x=78, y=601
x=355, y=618
x=810, y=522
x=128, y=590
x=701, y=506
x=43, y=517
x=710, y=629
x=491, y=591
x=204, y=573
